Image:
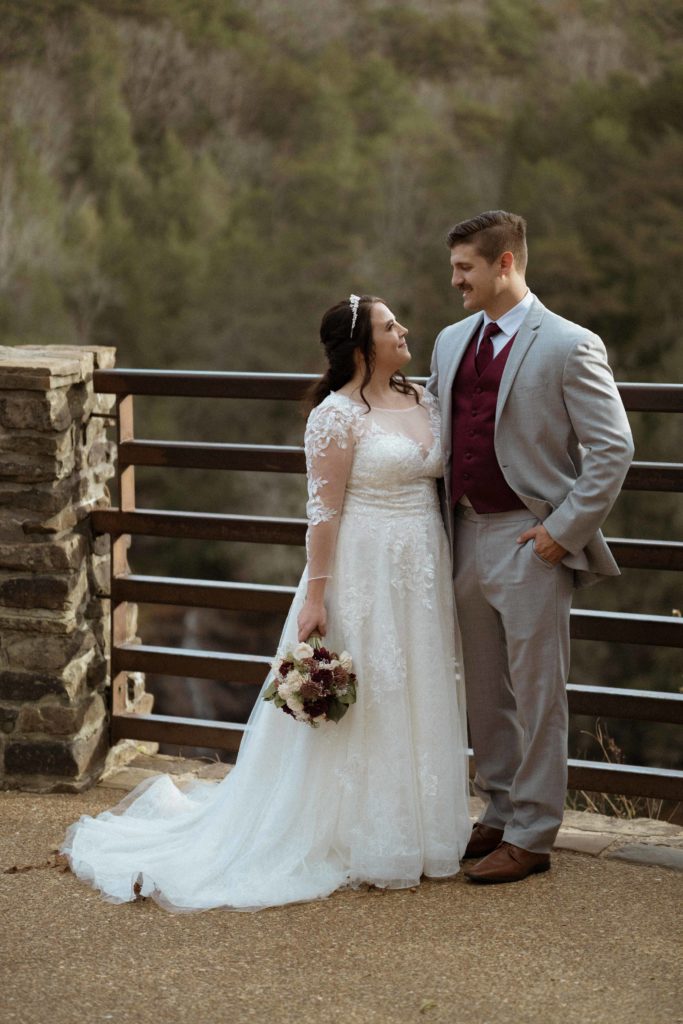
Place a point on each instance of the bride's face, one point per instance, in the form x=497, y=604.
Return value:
x=391, y=350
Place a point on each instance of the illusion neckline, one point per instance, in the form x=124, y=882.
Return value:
x=378, y=408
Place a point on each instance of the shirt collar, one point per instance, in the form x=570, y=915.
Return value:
x=511, y=321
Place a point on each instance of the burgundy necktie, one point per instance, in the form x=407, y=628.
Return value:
x=485, y=351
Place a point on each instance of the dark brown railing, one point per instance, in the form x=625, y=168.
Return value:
x=127, y=520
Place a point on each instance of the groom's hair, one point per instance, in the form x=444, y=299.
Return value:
x=493, y=233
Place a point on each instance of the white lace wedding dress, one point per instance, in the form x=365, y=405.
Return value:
x=380, y=797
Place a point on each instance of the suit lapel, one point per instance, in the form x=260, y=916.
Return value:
x=523, y=342
x=458, y=346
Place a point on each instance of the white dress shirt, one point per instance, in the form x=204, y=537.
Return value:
x=509, y=324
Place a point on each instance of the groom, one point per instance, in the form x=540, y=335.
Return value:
x=536, y=446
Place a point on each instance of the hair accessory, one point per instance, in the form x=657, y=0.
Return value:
x=354, y=301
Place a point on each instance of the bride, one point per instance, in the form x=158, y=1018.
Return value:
x=381, y=796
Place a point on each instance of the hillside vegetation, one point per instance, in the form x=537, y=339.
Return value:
x=196, y=180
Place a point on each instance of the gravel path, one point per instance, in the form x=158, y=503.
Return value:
x=594, y=940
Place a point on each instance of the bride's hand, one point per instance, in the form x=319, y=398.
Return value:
x=311, y=619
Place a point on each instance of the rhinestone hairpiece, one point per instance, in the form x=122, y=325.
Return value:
x=354, y=301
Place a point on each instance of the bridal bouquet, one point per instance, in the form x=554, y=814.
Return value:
x=313, y=684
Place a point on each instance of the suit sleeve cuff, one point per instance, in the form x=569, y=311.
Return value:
x=563, y=531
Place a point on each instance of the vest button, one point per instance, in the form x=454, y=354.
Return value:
x=468, y=455
x=466, y=476
x=472, y=433
x=477, y=390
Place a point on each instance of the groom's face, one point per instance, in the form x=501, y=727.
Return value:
x=478, y=280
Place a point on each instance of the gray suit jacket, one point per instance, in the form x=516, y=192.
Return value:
x=562, y=438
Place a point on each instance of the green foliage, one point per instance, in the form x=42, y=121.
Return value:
x=516, y=28
x=103, y=151
x=428, y=46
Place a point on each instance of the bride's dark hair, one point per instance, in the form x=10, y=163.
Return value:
x=339, y=345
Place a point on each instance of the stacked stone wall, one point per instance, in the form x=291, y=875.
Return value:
x=55, y=461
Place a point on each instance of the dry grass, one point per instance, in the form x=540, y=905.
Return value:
x=616, y=805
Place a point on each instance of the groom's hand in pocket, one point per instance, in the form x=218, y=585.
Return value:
x=544, y=545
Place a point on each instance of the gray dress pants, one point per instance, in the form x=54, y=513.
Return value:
x=513, y=611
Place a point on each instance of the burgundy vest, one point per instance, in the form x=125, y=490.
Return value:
x=475, y=469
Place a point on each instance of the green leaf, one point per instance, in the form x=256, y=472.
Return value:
x=270, y=691
x=350, y=696
x=336, y=711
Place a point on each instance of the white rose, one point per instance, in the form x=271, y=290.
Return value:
x=294, y=704
x=284, y=690
x=294, y=679
x=302, y=651
x=346, y=661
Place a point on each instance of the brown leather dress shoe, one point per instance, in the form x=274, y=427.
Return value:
x=508, y=863
x=483, y=840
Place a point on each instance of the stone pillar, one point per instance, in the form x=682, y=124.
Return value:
x=55, y=459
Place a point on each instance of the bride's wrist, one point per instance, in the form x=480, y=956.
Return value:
x=315, y=592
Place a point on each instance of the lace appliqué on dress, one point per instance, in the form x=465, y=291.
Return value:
x=332, y=420
x=387, y=669
x=355, y=606
x=316, y=509
x=413, y=567
x=329, y=440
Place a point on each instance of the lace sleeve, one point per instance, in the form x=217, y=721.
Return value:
x=329, y=443
x=431, y=404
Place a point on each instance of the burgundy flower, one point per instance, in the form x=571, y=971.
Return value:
x=286, y=667
x=309, y=690
x=325, y=679
x=318, y=707
x=322, y=654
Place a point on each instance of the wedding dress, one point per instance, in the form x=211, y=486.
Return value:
x=379, y=797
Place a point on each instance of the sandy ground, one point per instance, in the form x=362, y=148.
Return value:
x=593, y=940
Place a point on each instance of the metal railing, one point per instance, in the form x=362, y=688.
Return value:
x=127, y=520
